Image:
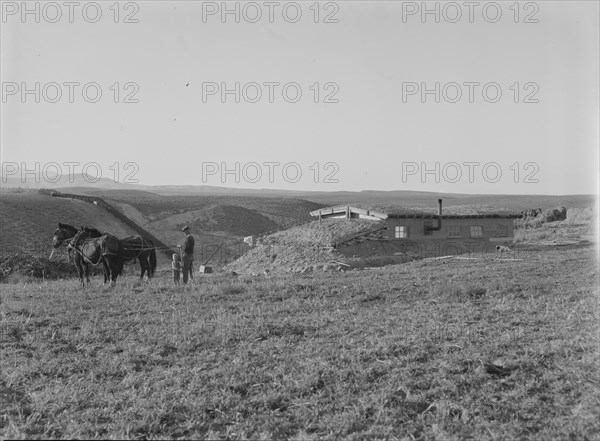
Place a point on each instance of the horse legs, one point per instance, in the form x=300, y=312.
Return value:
x=148, y=266
x=106, y=271
x=113, y=266
x=143, y=266
x=87, y=272
x=79, y=267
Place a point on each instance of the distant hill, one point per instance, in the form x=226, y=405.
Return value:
x=78, y=181
x=395, y=197
x=417, y=199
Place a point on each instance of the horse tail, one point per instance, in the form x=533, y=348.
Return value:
x=120, y=265
x=152, y=262
x=120, y=259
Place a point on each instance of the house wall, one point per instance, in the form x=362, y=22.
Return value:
x=437, y=243
x=417, y=249
x=492, y=228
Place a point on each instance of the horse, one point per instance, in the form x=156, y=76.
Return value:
x=66, y=232
x=142, y=249
x=63, y=233
x=91, y=249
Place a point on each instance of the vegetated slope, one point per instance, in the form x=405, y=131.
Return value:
x=155, y=206
x=302, y=248
x=28, y=220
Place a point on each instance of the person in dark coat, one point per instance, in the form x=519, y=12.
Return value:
x=188, y=255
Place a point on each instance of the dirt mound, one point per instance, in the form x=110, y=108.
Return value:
x=305, y=248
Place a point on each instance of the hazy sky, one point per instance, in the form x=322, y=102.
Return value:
x=374, y=61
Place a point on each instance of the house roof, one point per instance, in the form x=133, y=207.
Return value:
x=403, y=213
x=338, y=209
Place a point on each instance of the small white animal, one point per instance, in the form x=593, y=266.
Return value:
x=249, y=240
x=502, y=249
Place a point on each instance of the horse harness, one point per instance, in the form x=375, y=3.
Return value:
x=142, y=248
x=86, y=259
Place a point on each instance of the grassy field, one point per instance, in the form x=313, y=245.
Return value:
x=443, y=349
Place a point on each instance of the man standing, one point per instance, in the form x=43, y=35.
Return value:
x=188, y=254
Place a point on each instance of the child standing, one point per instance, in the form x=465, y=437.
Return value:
x=176, y=265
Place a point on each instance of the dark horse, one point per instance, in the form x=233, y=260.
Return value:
x=93, y=249
x=142, y=249
x=63, y=233
x=66, y=232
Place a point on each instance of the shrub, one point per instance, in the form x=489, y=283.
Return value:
x=16, y=266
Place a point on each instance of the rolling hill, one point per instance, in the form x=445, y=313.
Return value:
x=213, y=218
x=28, y=220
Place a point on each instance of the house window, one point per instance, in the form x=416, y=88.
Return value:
x=401, y=232
x=454, y=231
x=476, y=231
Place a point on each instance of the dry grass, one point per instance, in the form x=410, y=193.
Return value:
x=477, y=349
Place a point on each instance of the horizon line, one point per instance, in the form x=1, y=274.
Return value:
x=133, y=186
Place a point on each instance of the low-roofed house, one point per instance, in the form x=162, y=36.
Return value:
x=422, y=234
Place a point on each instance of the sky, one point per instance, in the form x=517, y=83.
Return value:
x=502, y=98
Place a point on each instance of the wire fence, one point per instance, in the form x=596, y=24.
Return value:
x=219, y=253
